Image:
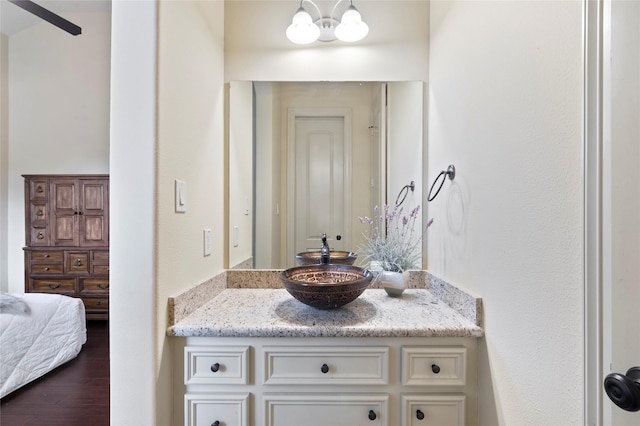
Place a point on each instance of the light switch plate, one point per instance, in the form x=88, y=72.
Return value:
x=208, y=241
x=181, y=196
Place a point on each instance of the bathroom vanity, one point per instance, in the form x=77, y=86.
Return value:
x=256, y=356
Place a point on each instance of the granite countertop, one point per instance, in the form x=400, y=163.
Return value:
x=272, y=312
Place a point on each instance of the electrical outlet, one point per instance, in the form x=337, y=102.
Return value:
x=235, y=236
x=208, y=241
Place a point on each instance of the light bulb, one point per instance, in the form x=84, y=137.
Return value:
x=302, y=29
x=351, y=27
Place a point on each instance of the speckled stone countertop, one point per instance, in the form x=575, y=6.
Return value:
x=272, y=312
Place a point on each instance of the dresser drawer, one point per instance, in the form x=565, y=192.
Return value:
x=227, y=409
x=38, y=212
x=304, y=365
x=326, y=409
x=53, y=285
x=96, y=303
x=46, y=268
x=94, y=285
x=47, y=256
x=39, y=237
x=77, y=262
x=101, y=256
x=433, y=366
x=38, y=189
x=216, y=365
x=442, y=410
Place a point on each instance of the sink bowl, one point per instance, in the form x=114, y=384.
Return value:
x=326, y=286
x=337, y=257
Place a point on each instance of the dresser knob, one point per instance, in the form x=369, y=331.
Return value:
x=46, y=256
x=46, y=268
x=435, y=368
x=324, y=368
x=215, y=367
x=40, y=212
x=419, y=415
x=103, y=286
x=372, y=415
x=54, y=286
x=39, y=189
x=40, y=235
x=78, y=262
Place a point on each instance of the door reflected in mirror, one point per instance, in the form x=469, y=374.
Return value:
x=307, y=158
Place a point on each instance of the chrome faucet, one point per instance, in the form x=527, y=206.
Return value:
x=325, y=254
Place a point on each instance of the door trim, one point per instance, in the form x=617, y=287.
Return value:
x=593, y=177
x=292, y=114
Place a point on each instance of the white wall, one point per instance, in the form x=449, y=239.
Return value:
x=240, y=172
x=256, y=47
x=4, y=160
x=505, y=108
x=59, y=112
x=190, y=147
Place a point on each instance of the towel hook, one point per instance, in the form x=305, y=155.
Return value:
x=405, y=190
x=451, y=173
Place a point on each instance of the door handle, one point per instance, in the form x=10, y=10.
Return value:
x=624, y=389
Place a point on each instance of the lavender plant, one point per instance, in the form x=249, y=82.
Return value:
x=393, y=239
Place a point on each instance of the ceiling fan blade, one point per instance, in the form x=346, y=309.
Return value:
x=48, y=16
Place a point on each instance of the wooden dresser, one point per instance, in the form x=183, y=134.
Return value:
x=67, y=238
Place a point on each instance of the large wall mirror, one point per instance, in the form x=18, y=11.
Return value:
x=307, y=158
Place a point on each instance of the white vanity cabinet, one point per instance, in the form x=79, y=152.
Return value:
x=309, y=381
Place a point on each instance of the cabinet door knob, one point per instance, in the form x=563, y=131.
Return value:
x=435, y=368
x=372, y=415
x=419, y=415
x=324, y=368
x=215, y=367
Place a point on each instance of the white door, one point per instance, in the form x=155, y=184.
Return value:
x=320, y=182
x=377, y=132
x=621, y=198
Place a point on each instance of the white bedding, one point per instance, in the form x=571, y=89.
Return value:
x=36, y=343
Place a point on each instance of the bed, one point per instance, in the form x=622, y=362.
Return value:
x=38, y=332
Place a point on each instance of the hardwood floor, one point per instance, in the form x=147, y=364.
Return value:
x=74, y=394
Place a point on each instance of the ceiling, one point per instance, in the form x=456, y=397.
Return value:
x=14, y=19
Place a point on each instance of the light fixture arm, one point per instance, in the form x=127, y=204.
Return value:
x=335, y=6
x=314, y=5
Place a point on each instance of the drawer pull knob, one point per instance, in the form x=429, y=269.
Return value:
x=40, y=212
x=40, y=235
x=103, y=286
x=372, y=415
x=53, y=286
x=324, y=368
x=78, y=262
x=215, y=367
x=419, y=415
x=46, y=256
x=435, y=368
x=46, y=268
x=39, y=189
x=216, y=423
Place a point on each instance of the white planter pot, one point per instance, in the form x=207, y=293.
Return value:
x=393, y=283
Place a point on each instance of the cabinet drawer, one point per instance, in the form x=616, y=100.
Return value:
x=216, y=365
x=441, y=410
x=326, y=365
x=46, y=268
x=53, y=285
x=100, y=256
x=38, y=189
x=224, y=408
x=326, y=409
x=38, y=212
x=100, y=269
x=48, y=256
x=77, y=261
x=39, y=237
x=432, y=366
x=94, y=285
x=96, y=303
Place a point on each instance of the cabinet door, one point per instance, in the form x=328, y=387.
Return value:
x=94, y=212
x=441, y=410
x=326, y=409
x=64, y=208
x=221, y=409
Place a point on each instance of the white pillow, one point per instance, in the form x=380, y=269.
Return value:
x=10, y=304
